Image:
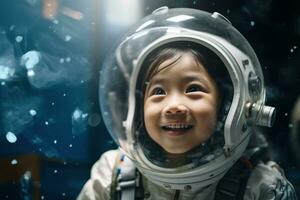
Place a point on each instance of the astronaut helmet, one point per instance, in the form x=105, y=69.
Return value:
x=224, y=55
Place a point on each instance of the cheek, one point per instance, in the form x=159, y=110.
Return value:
x=207, y=113
x=150, y=116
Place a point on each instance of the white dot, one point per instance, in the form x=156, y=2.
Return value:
x=11, y=137
x=252, y=23
x=30, y=73
x=42, y=197
x=19, y=38
x=82, y=81
x=64, y=194
x=61, y=60
x=52, y=103
x=295, y=47
x=14, y=162
x=55, y=141
x=68, y=38
x=55, y=21
x=32, y=112
x=70, y=145
x=64, y=94
x=68, y=59
x=291, y=50
x=3, y=83
x=55, y=171
x=291, y=125
x=46, y=123
x=286, y=114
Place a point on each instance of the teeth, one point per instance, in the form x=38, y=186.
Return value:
x=178, y=126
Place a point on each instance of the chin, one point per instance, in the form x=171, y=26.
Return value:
x=177, y=151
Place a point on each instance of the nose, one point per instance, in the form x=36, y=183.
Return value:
x=175, y=107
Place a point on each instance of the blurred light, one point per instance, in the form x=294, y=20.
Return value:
x=30, y=73
x=14, y=162
x=180, y=18
x=32, y=112
x=19, y=38
x=123, y=12
x=68, y=38
x=6, y=72
x=11, y=137
x=50, y=8
x=74, y=14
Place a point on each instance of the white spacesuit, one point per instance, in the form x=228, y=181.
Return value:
x=183, y=136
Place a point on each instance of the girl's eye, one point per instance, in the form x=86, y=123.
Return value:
x=158, y=91
x=194, y=88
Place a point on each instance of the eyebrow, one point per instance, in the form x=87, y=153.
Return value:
x=186, y=78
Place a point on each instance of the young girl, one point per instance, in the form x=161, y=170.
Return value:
x=180, y=96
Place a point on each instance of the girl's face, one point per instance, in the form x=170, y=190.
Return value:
x=180, y=105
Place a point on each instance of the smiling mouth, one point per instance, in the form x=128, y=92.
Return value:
x=177, y=127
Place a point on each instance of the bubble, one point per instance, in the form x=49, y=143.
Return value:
x=94, y=119
x=19, y=38
x=3, y=83
x=252, y=23
x=77, y=113
x=55, y=171
x=30, y=73
x=14, y=162
x=71, y=145
x=64, y=194
x=11, y=137
x=27, y=175
x=295, y=47
x=291, y=50
x=61, y=60
x=55, y=21
x=52, y=104
x=64, y=94
x=42, y=197
x=6, y=72
x=32, y=112
x=55, y=141
x=286, y=114
x=68, y=38
x=46, y=123
x=68, y=59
